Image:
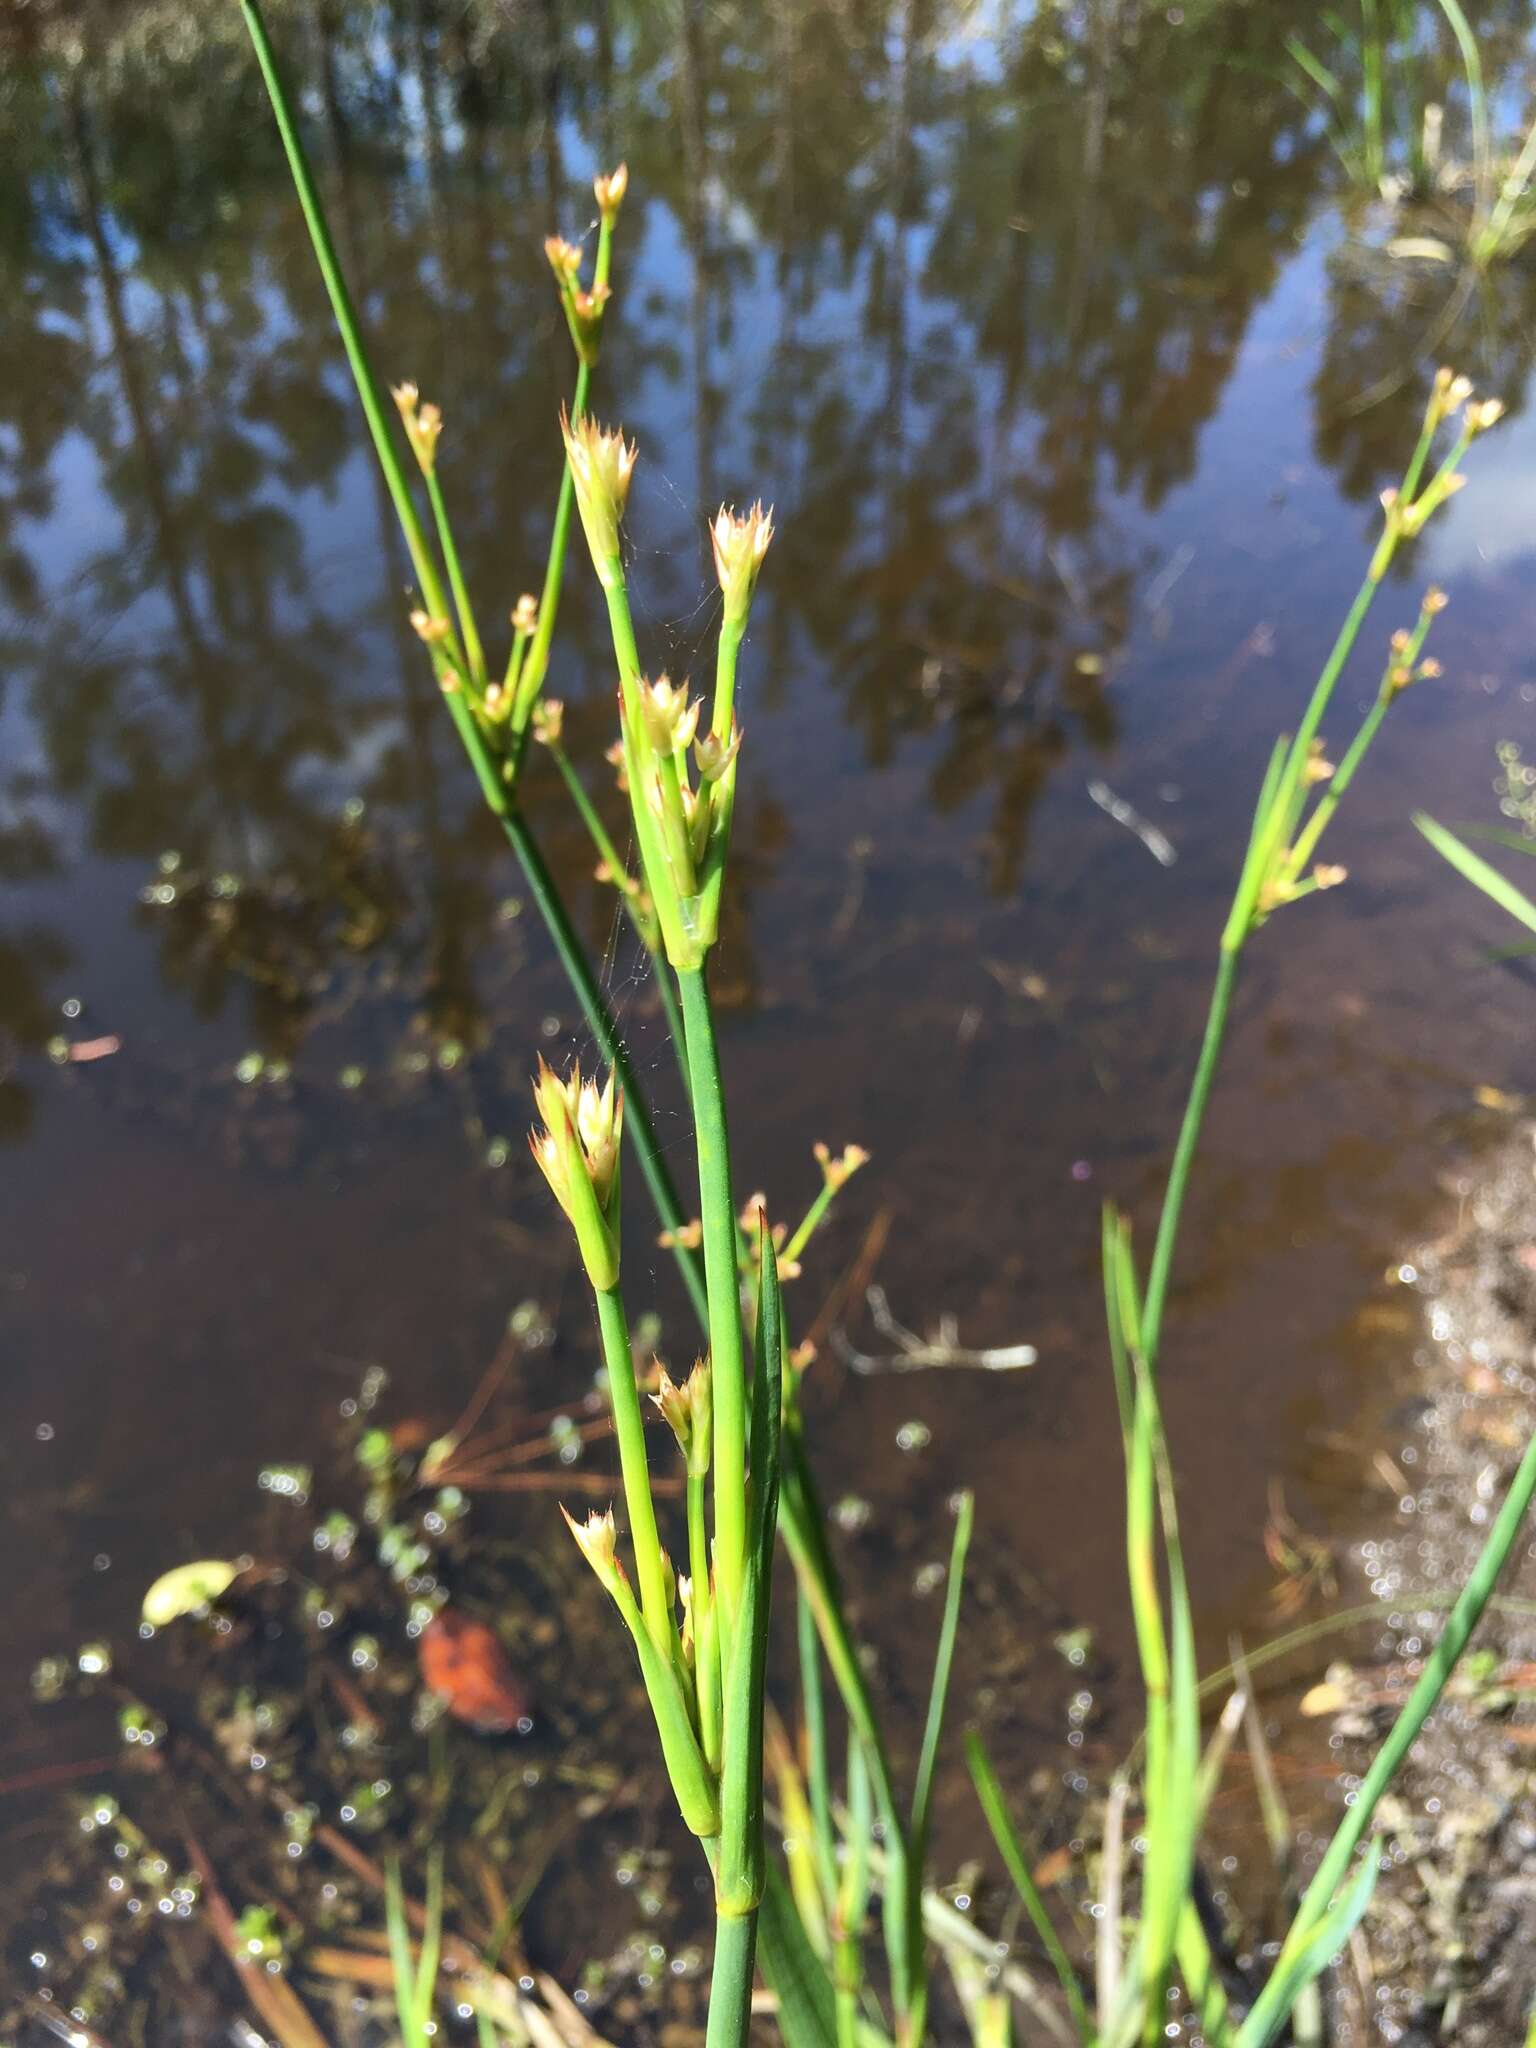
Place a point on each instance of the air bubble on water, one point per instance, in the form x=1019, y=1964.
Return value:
x=71, y=1007
x=913, y=1436
x=44, y=1432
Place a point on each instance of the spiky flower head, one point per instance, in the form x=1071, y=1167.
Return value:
x=740, y=542
x=427, y=628
x=670, y=719
x=578, y=1154
x=689, y=1411
x=834, y=1171
x=609, y=189
x=1444, y=485
x=602, y=463
x=1317, y=767
x=714, y=755
x=423, y=425
x=548, y=721
x=564, y=259
x=596, y=1539
x=525, y=613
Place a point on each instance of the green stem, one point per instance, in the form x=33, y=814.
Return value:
x=644, y=926
x=1513, y=191
x=368, y=390
x=637, y=1122
x=536, y=662
x=607, y=852
x=629, y=1428
x=1421, y=1702
x=536, y=665
x=810, y=1222
x=803, y=1522
x=1344, y=775
x=469, y=632
x=723, y=796
x=730, y=1985
x=706, y=1660
x=818, y=1775
x=1184, y=1152
x=718, y=1213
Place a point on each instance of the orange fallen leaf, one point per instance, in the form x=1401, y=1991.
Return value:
x=463, y=1662
x=84, y=1049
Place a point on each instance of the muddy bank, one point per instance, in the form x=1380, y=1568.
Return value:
x=1450, y=1944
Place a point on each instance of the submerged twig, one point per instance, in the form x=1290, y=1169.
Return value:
x=918, y=1354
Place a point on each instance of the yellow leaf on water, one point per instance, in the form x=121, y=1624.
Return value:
x=187, y=1588
x=1324, y=1698
x=1423, y=246
x=1495, y=1098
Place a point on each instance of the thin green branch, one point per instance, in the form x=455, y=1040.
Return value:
x=718, y=1214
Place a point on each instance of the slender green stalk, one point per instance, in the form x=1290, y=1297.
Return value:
x=817, y=1770
x=803, y=1522
x=374, y=410
x=493, y=788
x=1477, y=96
x=536, y=666
x=1490, y=242
x=1371, y=58
x=853, y=1897
x=722, y=718
x=730, y=1984
x=718, y=1214
x=469, y=632
x=1477, y=871
x=637, y=1123
x=741, y=1869
x=1344, y=775
x=914, y=2021
x=629, y=1428
x=1184, y=1153
x=706, y=1642
x=1012, y=1851
x=1276, y=817
x=815, y=1215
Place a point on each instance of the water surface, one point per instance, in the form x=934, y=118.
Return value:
x=1073, y=381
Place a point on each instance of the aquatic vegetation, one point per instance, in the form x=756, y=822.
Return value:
x=1380, y=93
x=699, y=1640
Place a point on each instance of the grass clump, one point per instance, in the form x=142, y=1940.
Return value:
x=799, y=1853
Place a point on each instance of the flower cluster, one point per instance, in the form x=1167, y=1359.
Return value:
x=578, y=1154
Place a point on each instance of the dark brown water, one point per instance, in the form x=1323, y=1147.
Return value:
x=1073, y=389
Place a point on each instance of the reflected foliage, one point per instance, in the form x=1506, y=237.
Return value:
x=926, y=273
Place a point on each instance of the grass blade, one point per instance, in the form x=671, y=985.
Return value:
x=807, y=2015
x=1011, y=1849
x=1478, y=872
x=1294, y=1974
x=1107, y=1952
x=818, y=1774
x=922, y=1795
